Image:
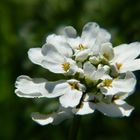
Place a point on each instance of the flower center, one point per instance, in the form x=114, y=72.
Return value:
x=106, y=56
x=66, y=66
x=74, y=85
x=107, y=82
x=81, y=47
x=118, y=65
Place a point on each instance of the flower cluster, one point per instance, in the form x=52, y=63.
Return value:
x=99, y=76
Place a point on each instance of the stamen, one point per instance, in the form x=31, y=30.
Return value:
x=118, y=65
x=74, y=85
x=66, y=66
x=81, y=47
x=107, y=82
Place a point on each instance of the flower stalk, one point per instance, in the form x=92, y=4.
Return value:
x=74, y=129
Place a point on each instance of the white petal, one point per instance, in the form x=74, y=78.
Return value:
x=60, y=44
x=35, y=55
x=57, y=88
x=123, y=95
x=93, y=74
x=107, y=51
x=114, y=110
x=71, y=98
x=74, y=42
x=90, y=31
x=126, y=85
x=126, y=52
x=30, y=88
x=89, y=97
x=82, y=55
x=130, y=66
x=53, y=59
x=42, y=119
x=93, y=36
x=103, y=36
x=54, y=118
x=94, y=60
x=89, y=69
x=84, y=109
x=37, y=87
x=125, y=108
x=108, y=109
x=101, y=74
x=70, y=32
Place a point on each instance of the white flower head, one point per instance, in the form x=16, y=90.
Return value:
x=89, y=43
x=96, y=76
x=113, y=86
x=125, y=57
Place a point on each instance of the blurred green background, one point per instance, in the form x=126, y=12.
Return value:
x=25, y=24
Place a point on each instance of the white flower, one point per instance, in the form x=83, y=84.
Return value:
x=125, y=57
x=58, y=62
x=113, y=86
x=89, y=43
x=50, y=58
x=92, y=74
x=84, y=109
x=96, y=76
x=70, y=91
x=54, y=118
x=113, y=106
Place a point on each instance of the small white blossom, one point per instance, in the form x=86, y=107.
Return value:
x=54, y=118
x=113, y=86
x=125, y=57
x=88, y=43
x=70, y=91
x=50, y=58
x=92, y=74
x=113, y=106
x=96, y=75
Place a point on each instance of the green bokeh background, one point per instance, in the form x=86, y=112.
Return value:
x=25, y=24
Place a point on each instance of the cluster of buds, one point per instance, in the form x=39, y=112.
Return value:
x=98, y=76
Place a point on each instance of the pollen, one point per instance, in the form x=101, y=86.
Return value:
x=118, y=65
x=107, y=82
x=74, y=85
x=81, y=47
x=66, y=66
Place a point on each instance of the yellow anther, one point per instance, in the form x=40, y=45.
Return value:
x=107, y=82
x=66, y=66
x=81, y=47
x=118, y=65
x=74, y=85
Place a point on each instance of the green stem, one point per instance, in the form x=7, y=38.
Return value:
x=74, y=128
